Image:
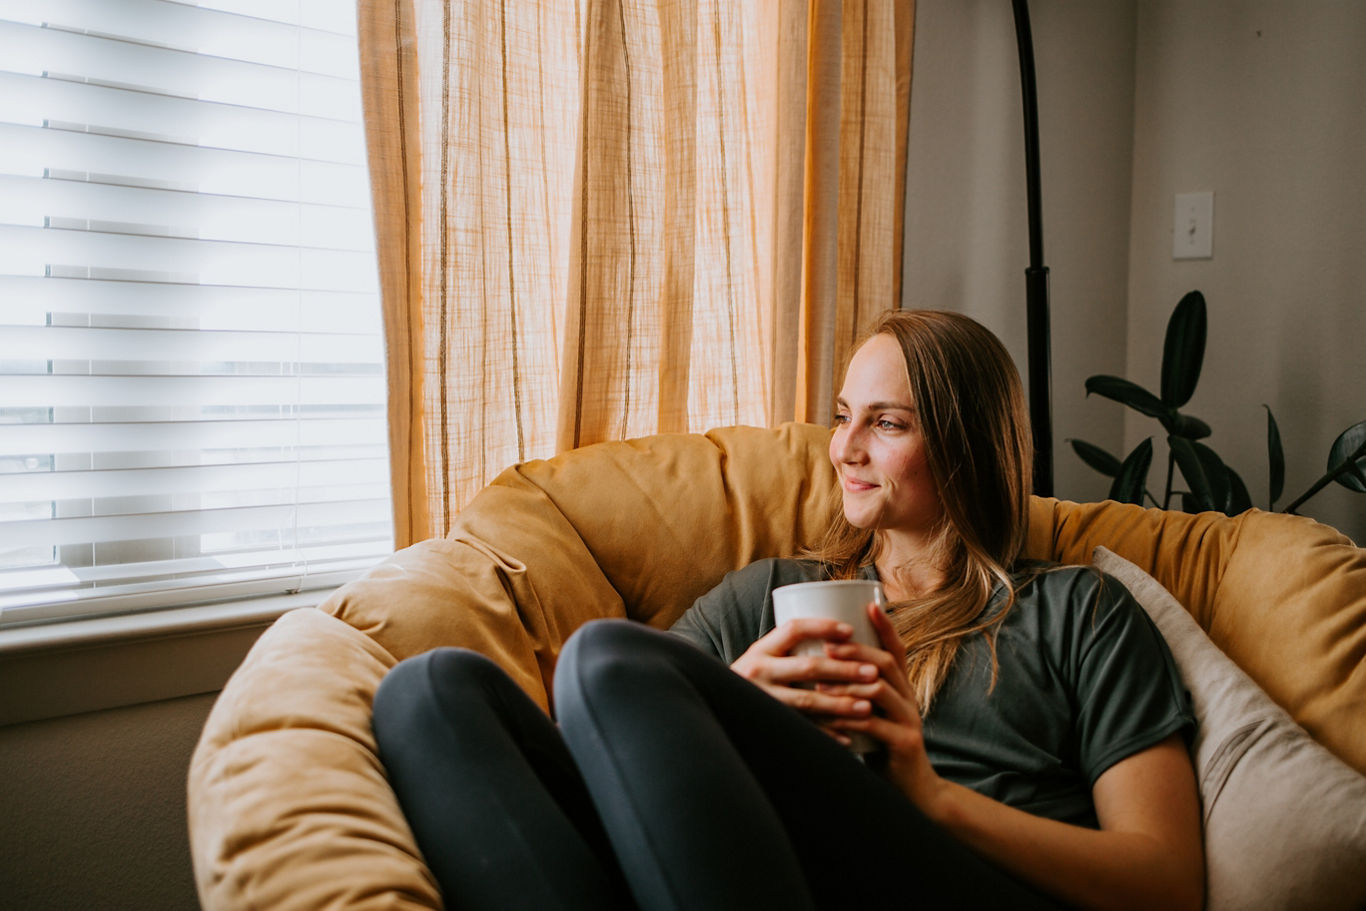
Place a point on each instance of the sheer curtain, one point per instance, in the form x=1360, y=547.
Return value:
x=610, y=218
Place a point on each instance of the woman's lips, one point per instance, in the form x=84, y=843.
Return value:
x=854, y=485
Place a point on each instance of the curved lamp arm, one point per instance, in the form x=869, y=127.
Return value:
x=1036, y=276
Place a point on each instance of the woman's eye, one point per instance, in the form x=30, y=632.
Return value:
x=885, y=424
x=841, y=419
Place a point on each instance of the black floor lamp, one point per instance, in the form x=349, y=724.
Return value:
x=1036, y=276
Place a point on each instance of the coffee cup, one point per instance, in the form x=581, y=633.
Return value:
x=844, y=600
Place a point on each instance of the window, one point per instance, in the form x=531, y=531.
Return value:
x=191, y=367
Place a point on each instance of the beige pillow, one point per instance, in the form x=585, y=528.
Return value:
x=1285, y=820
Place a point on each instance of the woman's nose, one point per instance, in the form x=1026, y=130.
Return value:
x=847, y=444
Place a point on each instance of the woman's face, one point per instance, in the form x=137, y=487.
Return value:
x=877, y=448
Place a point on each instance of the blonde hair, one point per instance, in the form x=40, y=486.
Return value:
x=972, y=415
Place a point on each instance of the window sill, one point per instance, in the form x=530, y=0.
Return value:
x=91, y=665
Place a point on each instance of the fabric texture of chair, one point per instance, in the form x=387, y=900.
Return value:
x=288, y=804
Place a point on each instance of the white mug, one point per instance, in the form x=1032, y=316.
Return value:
x=845, y=600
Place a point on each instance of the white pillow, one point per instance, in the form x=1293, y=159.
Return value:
x=1285, y=820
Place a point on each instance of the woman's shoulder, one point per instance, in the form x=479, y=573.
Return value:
x=749, y=585
x=1075, y=604
x=772, y=572
x=738, y=609
x=1075, y=597
x=1061, y=583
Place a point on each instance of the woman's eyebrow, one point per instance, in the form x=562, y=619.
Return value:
x=879, y=406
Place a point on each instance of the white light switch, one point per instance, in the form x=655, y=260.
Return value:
x=1193, y=228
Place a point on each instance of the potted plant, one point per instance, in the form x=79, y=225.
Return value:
x=1210, y=484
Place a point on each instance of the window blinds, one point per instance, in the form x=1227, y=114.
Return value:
x=191, y=376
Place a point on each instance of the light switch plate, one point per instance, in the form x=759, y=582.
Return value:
x=1193, y=226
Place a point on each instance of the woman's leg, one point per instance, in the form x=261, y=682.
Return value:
x=492, y=795
x=717, y=796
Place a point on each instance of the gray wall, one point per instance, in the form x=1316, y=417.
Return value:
x=94, y=809
x=1259, y=102
x=966, y=238
x=96, y=733
x=1263, y=103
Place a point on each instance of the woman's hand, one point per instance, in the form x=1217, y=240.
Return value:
x=897, y=723
x=810, y=683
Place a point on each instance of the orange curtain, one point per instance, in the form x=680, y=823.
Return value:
x=605, y=219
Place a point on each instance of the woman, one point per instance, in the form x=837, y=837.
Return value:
x=1031, y=720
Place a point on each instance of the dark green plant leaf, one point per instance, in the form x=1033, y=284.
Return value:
x=1193, y=470
x=1275, y=457
x=1127, y=393
x=1192, y=428
x=1217, y=474
x=1190, y=503
x=1097, y=458
x=1132, y=479
x=1239, y=500
x=1183, y=351
x=1350, y=445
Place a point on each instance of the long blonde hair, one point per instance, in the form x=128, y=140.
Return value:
x=972, y=415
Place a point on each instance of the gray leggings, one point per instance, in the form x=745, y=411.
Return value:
x=669, y=783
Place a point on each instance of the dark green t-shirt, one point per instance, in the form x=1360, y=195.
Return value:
x=1084, y=681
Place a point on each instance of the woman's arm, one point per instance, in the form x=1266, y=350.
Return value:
x=1147, y=853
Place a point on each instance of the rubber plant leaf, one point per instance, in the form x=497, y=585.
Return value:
x=1132, y=479
x=1218, y=476
x=1183, y=351
x=1193, y=470
x=1192, y=428
x=1239, y=500
x=1097, y=458
x=1128, y=393
x=1350, y=446
x=1275, y=457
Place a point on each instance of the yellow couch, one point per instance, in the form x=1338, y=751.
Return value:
x=289, y=807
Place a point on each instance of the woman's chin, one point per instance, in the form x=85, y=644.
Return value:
x=859, y=518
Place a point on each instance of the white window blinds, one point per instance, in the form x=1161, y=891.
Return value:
x=191, y=378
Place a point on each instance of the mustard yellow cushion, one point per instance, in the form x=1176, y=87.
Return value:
x=288, y=804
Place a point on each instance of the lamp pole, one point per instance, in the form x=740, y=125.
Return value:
x=1036, y=276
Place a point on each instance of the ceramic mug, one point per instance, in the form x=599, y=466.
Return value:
x=844, y=600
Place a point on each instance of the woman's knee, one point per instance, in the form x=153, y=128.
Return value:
x=612, y=657
x=608, y=642
x=435, y=680
x=609, y=635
